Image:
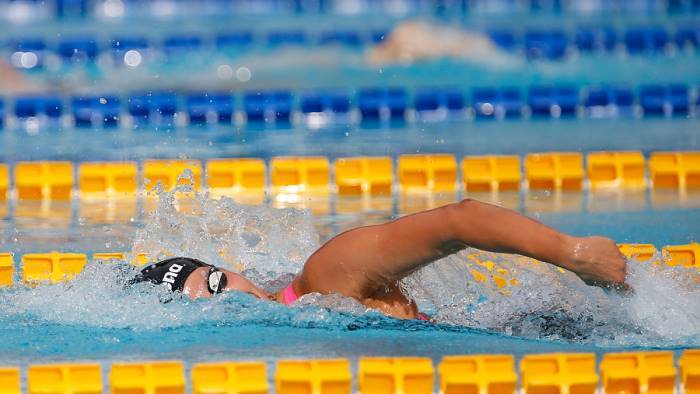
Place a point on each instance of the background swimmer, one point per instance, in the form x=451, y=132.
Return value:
x=366, y=263
x=415, y=40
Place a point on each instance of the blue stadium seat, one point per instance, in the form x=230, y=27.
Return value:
x=234, y=40
x=371, y=102
x=348, y=38
x=32, y=106
x=2, y=113
x=664, y=100
x=264, y=106
x=432, y=99
x=72, y=48
x=595, y=39
x=555, y=101
x=646, y=40
x=143, y=106
x=504, y=39
x=286, y=37
x=545, y=44
x=90, y=109
x=688, y=36
x=182, y=43
x=218, y=103
x=497, y=102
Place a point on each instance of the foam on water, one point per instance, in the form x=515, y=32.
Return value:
x=271, y=245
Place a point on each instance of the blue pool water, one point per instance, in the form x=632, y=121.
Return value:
x=96, y=317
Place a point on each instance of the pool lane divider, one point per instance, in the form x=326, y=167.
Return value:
x=640, y=372
x=56, y=267
x=358, y=176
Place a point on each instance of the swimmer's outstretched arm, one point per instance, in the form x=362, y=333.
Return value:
x=360, y=261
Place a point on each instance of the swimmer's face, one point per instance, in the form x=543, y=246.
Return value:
x=196, y=285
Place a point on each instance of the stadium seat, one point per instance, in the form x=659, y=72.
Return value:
x=2, y=115
x=90, y=109
x=341, y=37
x=371, y=102
x=646, y=40
x=120, y=45
x=76, y=48
x=554, y=101
x=234, y=40
x=199, y=106
x=497, y=102
x=379, y=36
x=264, y=106
x=545, y=44
x=286, y=37
x=143, y=106
x=31, y=106
x=181, y=43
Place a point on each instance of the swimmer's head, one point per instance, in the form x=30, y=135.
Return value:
x=197, y=278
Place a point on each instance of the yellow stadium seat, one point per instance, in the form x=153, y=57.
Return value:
x=364, y=175
x=616, y=169
x=300, y=174
x=230, y=378
x=313, y=377
x=140, y=259
x=44, y=180
x=168, y=172
x=689, y=364
x=435, y=173
x=64, y=379
x=675, y=170
x=640, y=252
x=4, y=181
x=236, y=174
x=638, y=372
x=399, y=375
x=684, y=255
x=7, y=270
x=9, y=380
x=491, y=173
x=554, y=171
x=166, y=377
x=478, y=374
x=559, y=373
x=108, y=178
x=54, y=267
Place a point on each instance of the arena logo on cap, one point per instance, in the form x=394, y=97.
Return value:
x=171, y=275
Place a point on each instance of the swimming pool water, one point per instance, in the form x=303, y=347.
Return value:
x=96, y=318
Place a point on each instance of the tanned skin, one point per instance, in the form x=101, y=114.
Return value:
x=366, y=263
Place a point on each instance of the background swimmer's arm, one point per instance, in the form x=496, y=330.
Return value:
x=360, y=261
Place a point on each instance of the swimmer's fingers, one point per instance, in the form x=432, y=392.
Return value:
x=621, y=287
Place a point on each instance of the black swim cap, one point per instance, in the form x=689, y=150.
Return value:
x=173, y=272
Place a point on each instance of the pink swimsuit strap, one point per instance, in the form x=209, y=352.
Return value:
x=289, y=295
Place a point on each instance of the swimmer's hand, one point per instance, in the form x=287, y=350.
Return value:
x=598, y=262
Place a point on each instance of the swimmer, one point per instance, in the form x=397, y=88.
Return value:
x=414, y=41
x=366, y=263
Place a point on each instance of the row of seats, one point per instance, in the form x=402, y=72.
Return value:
x=55, y=267
x=372, y=104
x=536, y=43
x=361, y=175
x=630, y=372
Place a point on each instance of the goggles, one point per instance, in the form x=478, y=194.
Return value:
x=217, y=281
